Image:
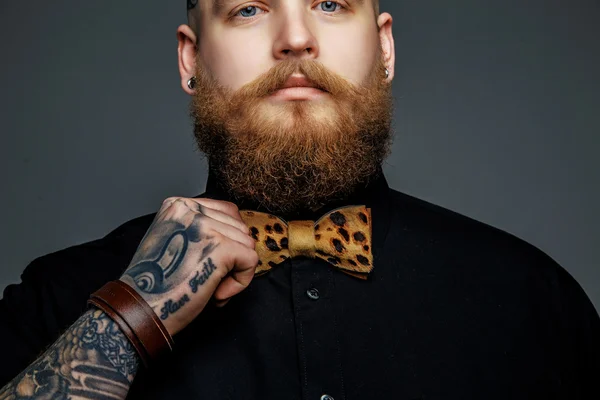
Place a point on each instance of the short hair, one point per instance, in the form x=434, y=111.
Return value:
x=192, y=4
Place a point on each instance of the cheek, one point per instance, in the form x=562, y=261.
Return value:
x=350, y=54
x=236, y=58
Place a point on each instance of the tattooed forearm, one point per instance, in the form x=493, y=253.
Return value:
x=92, y=360
x=201, y=277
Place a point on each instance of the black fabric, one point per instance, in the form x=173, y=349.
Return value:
x=454, y=309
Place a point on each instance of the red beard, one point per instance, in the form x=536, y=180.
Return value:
x=297, y=155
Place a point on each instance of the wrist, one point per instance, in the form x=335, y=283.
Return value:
x=137, y=320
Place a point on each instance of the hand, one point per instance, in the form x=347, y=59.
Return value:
x=194, y=249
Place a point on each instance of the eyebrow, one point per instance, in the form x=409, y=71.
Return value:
x=359, y=2
x=218, y=5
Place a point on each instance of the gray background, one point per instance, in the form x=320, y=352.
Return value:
x=497, y=117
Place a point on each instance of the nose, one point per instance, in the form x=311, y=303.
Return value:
x=295, y=38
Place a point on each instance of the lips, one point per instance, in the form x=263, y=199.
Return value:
x=300, y=81
x=298, y=87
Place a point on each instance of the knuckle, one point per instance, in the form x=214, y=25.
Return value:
x=209, y=225
x=204, y=206
x=172, y=202
x=231, y=206
x=223, y=241
x=220, y=274
x=200, y=219
x=217, y=236
x=169, y=200
x=206, y=202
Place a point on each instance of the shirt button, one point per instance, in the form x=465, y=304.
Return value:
x=326, y=397
x=313, y=293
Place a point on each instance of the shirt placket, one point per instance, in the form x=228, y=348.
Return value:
x=319, y=349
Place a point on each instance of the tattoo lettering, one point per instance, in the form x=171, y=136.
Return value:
x=172, y=307
x=202, y=277
x=92, y=360
x=191, y=4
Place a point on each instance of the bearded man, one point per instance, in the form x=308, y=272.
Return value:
x=337, y=287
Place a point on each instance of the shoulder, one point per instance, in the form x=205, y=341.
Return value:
x=54, y=288
x=92, y=262
x=452, y=232
x=490, y=278
x=99, y=259
x=479, y=253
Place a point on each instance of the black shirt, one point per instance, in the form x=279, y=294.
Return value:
x=454, y=309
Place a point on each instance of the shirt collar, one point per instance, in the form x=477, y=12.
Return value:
x=375, y=195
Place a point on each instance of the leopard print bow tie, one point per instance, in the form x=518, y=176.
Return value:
x=341, y=237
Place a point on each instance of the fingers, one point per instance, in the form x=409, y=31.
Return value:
x=221, y=303
x=230, y=286
x=215, y=258
x=211, y=226
x=222, y=211
x=222, y=218
x=225, y=207
x=244, y=264
x=225, y=218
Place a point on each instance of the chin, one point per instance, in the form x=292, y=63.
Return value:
x=294, y=118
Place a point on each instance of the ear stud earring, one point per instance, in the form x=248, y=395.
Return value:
x=387, y=73
x=192, y=83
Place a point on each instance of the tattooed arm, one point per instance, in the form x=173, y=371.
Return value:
x=195, y=249
x=91, y=360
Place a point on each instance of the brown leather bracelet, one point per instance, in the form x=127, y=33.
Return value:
x=136, y=319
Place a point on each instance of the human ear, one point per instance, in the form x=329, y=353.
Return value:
x=186, y=54
x=384, y=22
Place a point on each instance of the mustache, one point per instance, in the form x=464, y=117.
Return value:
x=276, y=77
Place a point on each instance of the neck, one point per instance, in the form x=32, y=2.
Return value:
x=366, y=193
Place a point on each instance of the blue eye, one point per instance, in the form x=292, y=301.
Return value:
x=248, y=11
x=329, y=6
